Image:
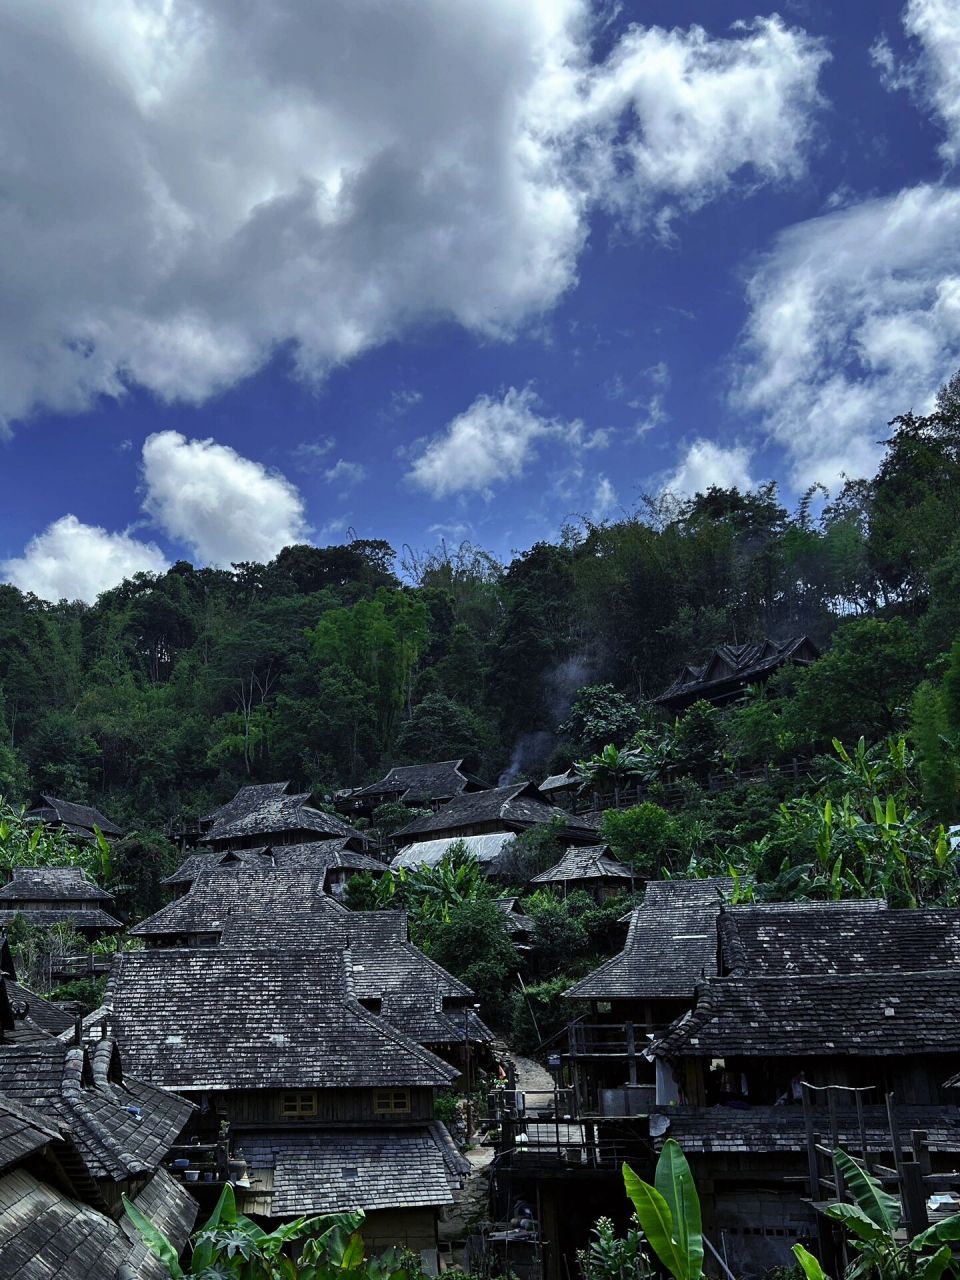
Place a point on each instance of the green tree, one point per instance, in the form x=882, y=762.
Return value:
x=936, y=755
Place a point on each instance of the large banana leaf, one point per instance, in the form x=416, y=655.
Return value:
x=224, y=1214
x=932, y=1268
x=675, y=1183
x=945, y=1231
x=810, y=1267
x=656, y=1222
x=855, y=1220
x=879, y=1206
x=155, y=1240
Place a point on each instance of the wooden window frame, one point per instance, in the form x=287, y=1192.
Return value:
x=298, y=1104
x=391, y=1102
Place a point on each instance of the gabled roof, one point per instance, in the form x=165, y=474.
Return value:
x=671, y=945
x=275, y=814
x=246, y=800
x=561, y=781
x=22, y=1131
x=317, y=855
x=592, y=862
x=228, y=1018
x=416, y=784
x=80, y=818
x=867, y=1015
x=840, y=938
x=77, y=919
x=308, y=1173
x=513, y=918
x=737, y=664
x=120, y=1126
x=54, y=884
x=38, y=1012
x=518, y=806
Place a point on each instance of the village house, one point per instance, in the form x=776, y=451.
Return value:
x=327, y=1104
x=732, y=668
x=520, y=928
x=592, y=869
x=267, y=813
x=254, y=906
x=338, y=861
x=415, y=786
x=47, y=896
x=77, y=1132
x=79, y=820
x=562, y=789
x=500, y=811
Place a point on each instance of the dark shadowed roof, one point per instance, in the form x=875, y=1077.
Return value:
x=317, y=855
x=53, y=884
x=872, y=1014
x=45, y=1235
x=275, y=814
x=515, y=807
x=593, y=862
x=671, y=945
x=39, y=1012
x=247, y=800
x=513, y=918
x=120, y=1125
x=734, y=666
x=561, y=781
x=308, y=1173
x=228, y=1018
x=416, y=784
x=22, y=1130
x=79, y=818
x=77, y=919
x=842, y=938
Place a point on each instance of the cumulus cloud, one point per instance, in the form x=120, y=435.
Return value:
x=707, y=463
x=224, y=507
x=491, y=442
x=75, y=561
x=316, y=178
x=854, y=316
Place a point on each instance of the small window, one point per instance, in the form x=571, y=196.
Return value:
x=391, y=1102
x=298, y=1104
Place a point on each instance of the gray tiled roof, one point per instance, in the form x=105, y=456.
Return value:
x=872, y=1014
x=319, y=1172
x=79, y=817
x=56, y=884
x=79, y=920
x=671, y=945
x=245, y=801
x=591, y=862
x=22, y=1130
x=514, y=920
x=119, y=1127
x=274, y=815
x=229, y=1018
x=841, y=937
x=519, y=805
x=419, y=783
x=44, y=1235
x=41, y=1013
x=317, y=855
x=737, y=662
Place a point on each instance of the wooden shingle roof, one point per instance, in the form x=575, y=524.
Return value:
x=319, y=1173
x=78, y=818
x=671, y=945
x=420, y=784
x=22, y=1131
x=272, y=816
x=592, y=862
x=229, y=1018
x=247, y=800
x=317, y=855
x=734, y=666
x=514, y=808
x=54, y=884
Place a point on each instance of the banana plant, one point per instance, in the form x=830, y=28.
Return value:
x=669, y=1212
x=873, y=1221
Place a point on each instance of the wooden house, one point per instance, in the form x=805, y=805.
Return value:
x=497, y=811
x=520, y=928
x=671, y=947
x=592, y=869
x=269, y=813
x=337, y=861
x=824, y=1018
x=732, y=668
x=330, y=1105
x=254, y=906
x=76, y=1132
x=47, y=896
x=562, y=789
x=79, y=820
x=416, y=786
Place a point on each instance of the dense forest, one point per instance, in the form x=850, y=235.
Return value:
x=327, y=665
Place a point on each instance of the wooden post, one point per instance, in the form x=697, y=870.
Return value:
x=631, y=1052
x=861, y=1125
x=914, y=1198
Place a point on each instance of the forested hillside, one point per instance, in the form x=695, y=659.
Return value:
x=328, y=664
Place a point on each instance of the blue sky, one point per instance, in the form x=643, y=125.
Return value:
x=276, y=274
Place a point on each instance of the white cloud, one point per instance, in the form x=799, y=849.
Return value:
x=490, y=443
x=854, y=317
x=605, y=500
x=317, y=178
x=225, y=507
x=707, y=463
x=936, y=24
x=345, y=473
x=653, y=415
x=75, y=561
x=309, y=455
